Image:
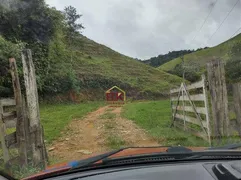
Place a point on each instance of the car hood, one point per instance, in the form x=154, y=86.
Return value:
x=59, y=168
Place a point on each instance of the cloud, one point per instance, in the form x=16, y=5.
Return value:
x=142, y=29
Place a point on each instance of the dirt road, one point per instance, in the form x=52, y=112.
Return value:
x=100, y=131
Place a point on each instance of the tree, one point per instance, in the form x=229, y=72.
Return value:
x=45, y=31
x=26, y=20
x=71, y=18
x=191, y=71
x=7, y=50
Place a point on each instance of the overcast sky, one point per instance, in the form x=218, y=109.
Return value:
x=147, y=28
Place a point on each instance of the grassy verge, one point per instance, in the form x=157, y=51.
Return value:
x=20, y=173
x=113, y=141
x=55, y=117
x=155, y=117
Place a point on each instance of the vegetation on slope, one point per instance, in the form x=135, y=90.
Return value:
x=195, y=63
x=66, y=62
x=100, y=68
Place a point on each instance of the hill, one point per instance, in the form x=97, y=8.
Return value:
x=99, y=68
x=195, y=63
x=162, y=59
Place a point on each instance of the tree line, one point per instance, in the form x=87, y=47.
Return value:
x=164, y=58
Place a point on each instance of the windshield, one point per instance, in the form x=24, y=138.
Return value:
x=80, y=78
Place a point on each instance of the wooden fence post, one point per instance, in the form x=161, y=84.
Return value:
x=2, y=137
x=237, y=104
x=206, y=108
x=219, y=98
x=21, y=118
x=36, y=131
x=183, y=111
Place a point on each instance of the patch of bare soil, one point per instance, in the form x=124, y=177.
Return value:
x=86, y=137
x=130, y=132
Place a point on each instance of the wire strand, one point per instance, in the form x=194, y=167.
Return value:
x=205, y=20
x=223, y=20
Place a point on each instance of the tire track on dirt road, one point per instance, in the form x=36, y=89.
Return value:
x=90, y=136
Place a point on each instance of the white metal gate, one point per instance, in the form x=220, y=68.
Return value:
x=189, y=105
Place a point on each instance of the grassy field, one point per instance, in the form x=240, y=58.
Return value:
x=155, y=117
x=54, y=118
x=202, y=57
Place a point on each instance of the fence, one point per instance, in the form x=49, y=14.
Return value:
x=8, y=119
x=192, y=114
x=219, y=127
x=28, y=137
x=237, y=105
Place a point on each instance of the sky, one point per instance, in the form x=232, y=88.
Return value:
x=147, y=28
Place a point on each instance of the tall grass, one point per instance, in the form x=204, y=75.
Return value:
x=155, y=118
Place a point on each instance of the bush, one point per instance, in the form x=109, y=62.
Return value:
x=191, y=71
x=7, y=50
x=233, y=66
x=233, y=70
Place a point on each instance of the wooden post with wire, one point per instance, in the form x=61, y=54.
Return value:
x=183, y=102
x=219, y=99
x=38, y=149
x=237, y=104
x=22, y=125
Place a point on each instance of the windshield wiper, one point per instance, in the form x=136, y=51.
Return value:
x=230, y=146
x=93, y=160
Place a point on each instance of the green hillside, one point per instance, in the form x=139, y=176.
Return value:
x=226, y=51
x=99, y=68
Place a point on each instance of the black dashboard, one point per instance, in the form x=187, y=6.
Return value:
x=205, y=170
